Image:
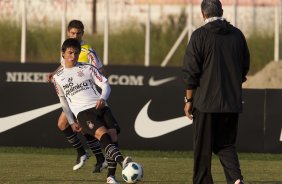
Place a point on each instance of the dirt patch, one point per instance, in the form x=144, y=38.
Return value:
x=269, y=77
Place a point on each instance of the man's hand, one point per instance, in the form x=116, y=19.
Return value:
x=187, y=110
x=50, y=77
x=100, y=103
x=76, y=127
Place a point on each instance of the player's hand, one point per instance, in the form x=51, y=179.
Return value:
x=76, y=127
x=50, y=76
x=187, y=110
x=100, y=103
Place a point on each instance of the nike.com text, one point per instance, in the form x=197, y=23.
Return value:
x=130, y=80
x=114, y=79
x=42, y=77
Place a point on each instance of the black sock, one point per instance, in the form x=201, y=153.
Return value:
x=111, y=149
x=95, y=146
x=112, y=166
x=74, y=140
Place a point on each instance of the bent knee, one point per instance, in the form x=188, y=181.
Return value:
x=62, y=123
x=113, y=133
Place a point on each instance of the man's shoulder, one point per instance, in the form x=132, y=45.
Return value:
x=85, y=45
x=200, y=30
x=85, y=66
x=198, y=33
x=59, y=72
x=82, y=65
x=85, y=48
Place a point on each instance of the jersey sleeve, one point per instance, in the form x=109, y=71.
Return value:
x=94, y=59
x=64, y=103
x=102, y=82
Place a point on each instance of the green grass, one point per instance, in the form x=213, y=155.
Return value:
x=10, y=42
x=43, y=45
x=45, y=165
x=261, y=51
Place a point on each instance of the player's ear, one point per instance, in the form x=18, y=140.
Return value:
x=63, y=55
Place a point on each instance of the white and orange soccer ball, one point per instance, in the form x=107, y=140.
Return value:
x=132, y=172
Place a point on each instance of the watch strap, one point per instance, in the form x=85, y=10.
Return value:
x=188, y=100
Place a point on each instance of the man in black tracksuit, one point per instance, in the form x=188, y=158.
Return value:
x=215, y=65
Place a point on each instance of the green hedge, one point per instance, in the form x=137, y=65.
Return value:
x=126, y=47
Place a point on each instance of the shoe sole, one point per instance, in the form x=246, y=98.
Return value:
x=81, y=163
x=126, y=161
x=112, y=181
x=104, y=166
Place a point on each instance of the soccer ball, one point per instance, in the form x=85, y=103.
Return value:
x=132, y=172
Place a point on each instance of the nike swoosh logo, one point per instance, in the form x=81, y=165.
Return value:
x=147, y=128
x=153, y=82
x=12, y=121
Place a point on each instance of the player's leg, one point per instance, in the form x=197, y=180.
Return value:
x=113, y=154
x=113, y=130
x=73, y=139
x=225, y=128
x=112, y=164
x=92, y=122
x=202, y=147
x=111, y=149
x=95, y=146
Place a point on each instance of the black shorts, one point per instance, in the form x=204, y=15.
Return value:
x=111, y=122
x=92, y=119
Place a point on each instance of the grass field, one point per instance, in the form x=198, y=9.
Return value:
x=42, y=166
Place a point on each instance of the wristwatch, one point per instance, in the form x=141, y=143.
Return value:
x=188, y=100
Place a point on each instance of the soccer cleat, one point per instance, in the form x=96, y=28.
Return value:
x=80, y=161
x=112, y=180
x=126, y=161
x=100, y=166
x=239, y=182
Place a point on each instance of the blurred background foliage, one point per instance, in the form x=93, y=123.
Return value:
x=126, y=47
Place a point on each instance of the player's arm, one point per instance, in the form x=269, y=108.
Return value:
x=64, y=103
x=75, y=126
x=103, y=83
x=188, y=99
x=94, y=59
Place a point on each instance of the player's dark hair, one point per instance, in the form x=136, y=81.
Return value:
x=76, y=24
x=71, y=43
x=211, y=8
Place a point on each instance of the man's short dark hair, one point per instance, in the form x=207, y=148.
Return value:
x=71, y=43
x=76, y=24
x=211, y=8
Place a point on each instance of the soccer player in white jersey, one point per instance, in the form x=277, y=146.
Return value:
x=75, y=84
x=87, y=55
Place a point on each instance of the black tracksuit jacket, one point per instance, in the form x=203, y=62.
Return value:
x=215, y=65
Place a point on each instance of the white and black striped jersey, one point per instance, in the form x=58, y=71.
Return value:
x=76, y=88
